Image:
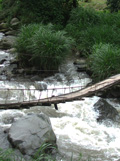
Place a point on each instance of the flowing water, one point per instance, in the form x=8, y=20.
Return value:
x=78, y=133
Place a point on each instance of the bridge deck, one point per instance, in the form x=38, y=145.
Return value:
x=88, y=91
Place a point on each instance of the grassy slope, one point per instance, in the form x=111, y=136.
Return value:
x=96, y=4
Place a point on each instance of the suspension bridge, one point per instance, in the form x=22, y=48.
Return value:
x=48, y=100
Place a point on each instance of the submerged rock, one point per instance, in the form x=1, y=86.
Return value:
x=30, y=132
x=106, y=111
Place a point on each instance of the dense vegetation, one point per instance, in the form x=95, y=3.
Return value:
x=53, y=11
x=89, y=27
x=104, y=60
x=45, y=46
x=42, y=46
x=113, y=5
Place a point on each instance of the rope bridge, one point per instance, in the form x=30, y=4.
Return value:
x=21, y=98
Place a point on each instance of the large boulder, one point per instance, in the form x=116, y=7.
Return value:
x=30, y=132
x=106, y=111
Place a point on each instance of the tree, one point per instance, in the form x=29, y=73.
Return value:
x=113, y=5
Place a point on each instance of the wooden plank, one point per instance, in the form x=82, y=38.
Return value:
x=88, y=91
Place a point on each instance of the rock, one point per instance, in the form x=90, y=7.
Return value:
x=79, y=61
x=19, y=71
x=4, y=143
x=113, y=92
x=2, y=61
x=12, y=51
x=35, y=78
x=8, y=118
x=7, y=42
x=3, y=25
x=106, y=111
x=40, y=85
x=1, y=35
x=80, y=64
x=12, y=32
x=30, y=132
x=15, y=23
x=3, y=57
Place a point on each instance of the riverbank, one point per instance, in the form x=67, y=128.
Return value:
x=82, y=130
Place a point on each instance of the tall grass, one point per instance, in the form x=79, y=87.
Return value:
x=98, y=34
x=43, y=153
x=88, y=27
x=104, y=61
x=43, y=47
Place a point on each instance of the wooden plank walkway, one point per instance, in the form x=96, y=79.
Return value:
x=77, y=95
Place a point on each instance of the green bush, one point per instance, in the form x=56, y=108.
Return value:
x=43, y=47
x=29, y=11
x=111, y=19
x=98, y=34
x=88, y=27
x=113, y=5
x=84, y=17
x=104, y=61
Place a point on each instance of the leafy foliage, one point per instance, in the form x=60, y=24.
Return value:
x=55, y=11
x=43, y=47
x=104, y=61
x=113, y=5
x=88, y=27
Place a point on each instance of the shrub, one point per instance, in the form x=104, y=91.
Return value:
x=113, y=5
x=111, y=19
x=43, y=47
x=55, y=11
x=84, y=17
x=88, y=27
x=98, y=34
x=104, y=61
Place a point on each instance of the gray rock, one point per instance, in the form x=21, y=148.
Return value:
x=12, y=32
x=35, y=78
x=3, y=57
x=106, y=111
x=3, y=25
x=4, y=143
x=30, y=132
x=1, y=35
x=80, y=64
x=14, y=22
x=10, y=117
x=7, y=42
x=12, y=50
x=41, y=85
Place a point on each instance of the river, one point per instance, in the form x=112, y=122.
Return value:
x=78, y=133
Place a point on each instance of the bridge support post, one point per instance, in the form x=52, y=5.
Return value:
x=56, y=107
